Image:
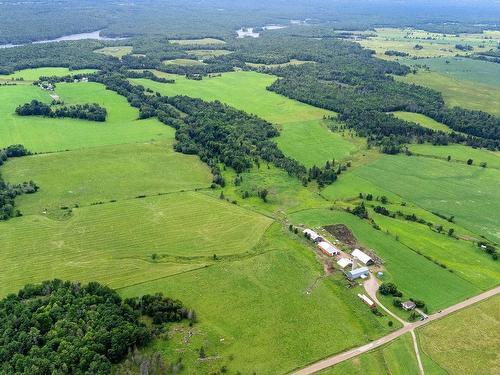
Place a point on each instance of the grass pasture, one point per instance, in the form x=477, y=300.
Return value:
x=261, y=302
x=242, y=90
x=397, y=357
x=207, y=53
x=36, y=73
x=416, y=276
x=185, y=62
x=422, y=120
x=461, y=93
x=105, y=173
x=197, y=42
x=111, y=242
x=291, y=62
x=465, y=342
x=45, y=134
x=459, y=153
x=118, y=51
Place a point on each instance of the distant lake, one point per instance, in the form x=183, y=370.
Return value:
x=249, y=31
x=96, y=35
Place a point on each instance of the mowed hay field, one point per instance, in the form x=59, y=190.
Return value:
x=100, y=174
x=470, y=193
x=119, y=51
x=422, y=120
x=45, y=134
x=461, y=93
x=465, y=342
x=194, y=42
x=415, y=275
x=257, y=310
x=101, y=242
x=36, y=73
x=459, y=153
x=397, y=357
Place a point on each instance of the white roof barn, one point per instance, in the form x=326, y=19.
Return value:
x=344, y=262
x=328, y=248
x=362, y=257
x=357, y=273
x=311, y=234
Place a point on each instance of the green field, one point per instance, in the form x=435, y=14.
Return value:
x=46, y=134
x=416, y=276
x=185, y=62
x=298, y=140
x=291, y=62
x=119, y=51
x=207, y=53
x=202, y=41
x=242, y=90
x=422, y=120
x=461, y=93
x=114, y=242
x=465, y=342
x=459, y=153
x=105, y=173
x=397, y=357
x=467, y=192
x=251, y=310
x=34, y=74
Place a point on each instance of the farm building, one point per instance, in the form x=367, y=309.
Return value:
x=357, y=273
x=408, y=305
x=362, y=257
x=367, y=301
x=312, y=235
x=328, y=248
x=344, y=262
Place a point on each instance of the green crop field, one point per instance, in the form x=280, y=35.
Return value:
x=250, y=310
x=423, y=120
x=397, y=357
x=462, y=93
x=459, y=153
x=416, y=276
x=111, y=242
x=207, y=53
x=465, y=342
x=202, y=41
x=242, y=90
x=185, y=62
x=119, y=51
x=466, y=192
x=105, y=173
x=312, y=143
x=34, y=74
x=45, y=134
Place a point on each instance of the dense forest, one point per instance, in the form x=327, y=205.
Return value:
x=66, y=328
x=9, y=192
x=91, y=112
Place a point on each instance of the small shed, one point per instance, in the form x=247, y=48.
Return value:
x=328, y=248
x=344, y=262
x=362, y=257
x=357, y=273
x=311, y=234
x=408, y=305
x=367, y=301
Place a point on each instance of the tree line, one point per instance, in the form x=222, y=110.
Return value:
x=91, y=112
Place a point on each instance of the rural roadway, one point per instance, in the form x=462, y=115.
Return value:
x=408, y=327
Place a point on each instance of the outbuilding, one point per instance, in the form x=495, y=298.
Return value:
x=367, y=301
x=312, y=235
x=344, y=262
x=357, y=273
x=362, y=257
x=328, y=248
x=408, y=305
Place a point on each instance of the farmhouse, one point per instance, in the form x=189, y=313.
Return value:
x=312, y=235
x=344, y=262
x=357, y=273
x=328, y=248
x=367, y=301
x=362, y=257
x=408, y=305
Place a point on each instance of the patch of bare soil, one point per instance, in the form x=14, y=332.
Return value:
x=342, y=233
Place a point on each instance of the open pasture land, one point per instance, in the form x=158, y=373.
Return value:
x=110, y=242
x=185, y=62
x=461, y=93
x=414, y=275
x=242, y=90
x=291, y=62
x=118, y=51
x=251, y=310
x=105, y=173
x=36, y=73
x=459, y=153
x=434, y=44
x=422, y=120
x=469, y=193
x=397, y=357
x=200, y=42
x=466, y=342
x=46, y=134
x=207, y=53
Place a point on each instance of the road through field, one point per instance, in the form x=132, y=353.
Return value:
x=331, y=361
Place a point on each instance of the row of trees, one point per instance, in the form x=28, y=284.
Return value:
x=91, y=112
x=68, y=328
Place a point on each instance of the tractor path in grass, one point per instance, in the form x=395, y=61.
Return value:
x=338, y=358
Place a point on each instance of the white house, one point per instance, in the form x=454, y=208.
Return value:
x=362, y=257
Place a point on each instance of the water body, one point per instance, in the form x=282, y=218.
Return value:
x=249, y=31
x=95, y=35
